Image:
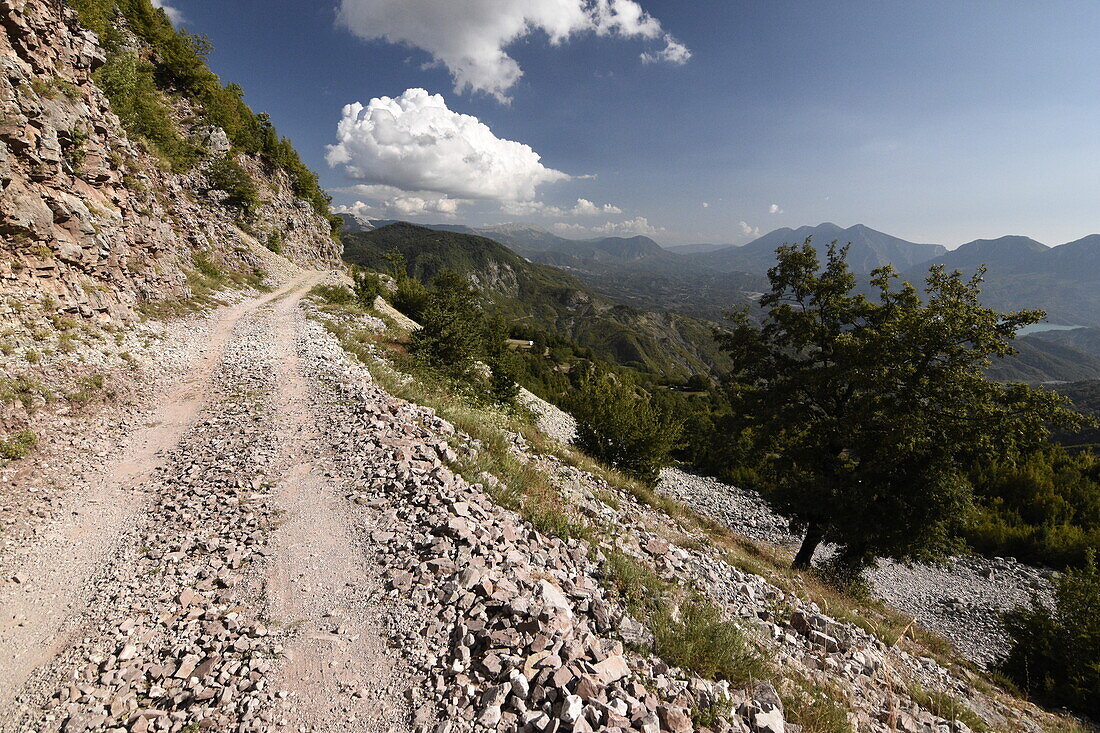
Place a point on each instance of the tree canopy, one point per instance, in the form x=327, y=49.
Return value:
x=870, y=410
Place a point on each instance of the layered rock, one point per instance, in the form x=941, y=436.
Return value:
x=92, y=222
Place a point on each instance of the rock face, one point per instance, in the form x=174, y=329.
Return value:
x=91, y=223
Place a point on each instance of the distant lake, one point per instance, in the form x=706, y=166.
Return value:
x=1038, y=327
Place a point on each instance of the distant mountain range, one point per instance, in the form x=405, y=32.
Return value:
x=704, y=281
x=1022, y=273
x=868, y=249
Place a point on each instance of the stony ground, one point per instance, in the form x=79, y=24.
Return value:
x=270, y=540
x=962, y=600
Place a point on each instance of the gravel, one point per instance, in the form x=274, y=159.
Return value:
x=962, y=599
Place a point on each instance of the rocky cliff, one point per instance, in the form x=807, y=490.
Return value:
x=92, y=221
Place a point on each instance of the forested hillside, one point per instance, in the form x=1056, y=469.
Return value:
x=535, y=299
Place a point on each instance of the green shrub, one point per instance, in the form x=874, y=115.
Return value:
x=699, y=639
x=275, y=242
x=504, y=365
x=225, y=174
x=335, y=294
x=206, y=275
x=619, y=425
x=18, y=445
x=451, y=333
x=1042, y=507
x=24, y=390
x=1055, y=654
x=129, y=85
x=179, y=67
x=367, y=286
x=411, y=297
x=635, y=582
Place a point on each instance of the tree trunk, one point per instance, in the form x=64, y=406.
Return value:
x=805, y=556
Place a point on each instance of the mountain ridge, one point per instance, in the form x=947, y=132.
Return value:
x=542, y=297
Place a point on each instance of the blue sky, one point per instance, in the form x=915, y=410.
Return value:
x=933, y=121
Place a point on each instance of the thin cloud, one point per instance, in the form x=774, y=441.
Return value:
x=674, y=53
x=631, y=227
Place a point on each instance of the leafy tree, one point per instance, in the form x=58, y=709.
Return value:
x=398, y=265
x=452, y=332
x=869, y=411
x=621, y=426
x=1055, y=654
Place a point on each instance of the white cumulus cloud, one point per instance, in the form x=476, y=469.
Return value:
x=469, y=37
x=415, y=143
x=173, y=13
x=749, y=230
x=583, y=207
x=629, y=228
x=774, y=209
x=387, y=202
x=674, y=53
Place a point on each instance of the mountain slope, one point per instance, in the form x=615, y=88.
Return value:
x=1005, y=254
x=1022, y=273
x=114, y=167
x=1082, y=339
x=1038, y=361
x=869, y=249
x=539, y=297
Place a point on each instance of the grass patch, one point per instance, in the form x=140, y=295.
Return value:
x=88, y=389
x=948, y=707
x=18, y=445
x=815, y=708
x=695, y=636
x=25, y=390
x=334, y=294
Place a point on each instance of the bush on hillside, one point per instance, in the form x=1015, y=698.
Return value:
x=621, y=426
x=1055, y=654
x=452, y=328
x=504, y=366
x=1043, y=507
x=334, y=294
x=178, y=66
x=226, y=174
x=367, y=286
x=128, y=83
x=411, y=298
